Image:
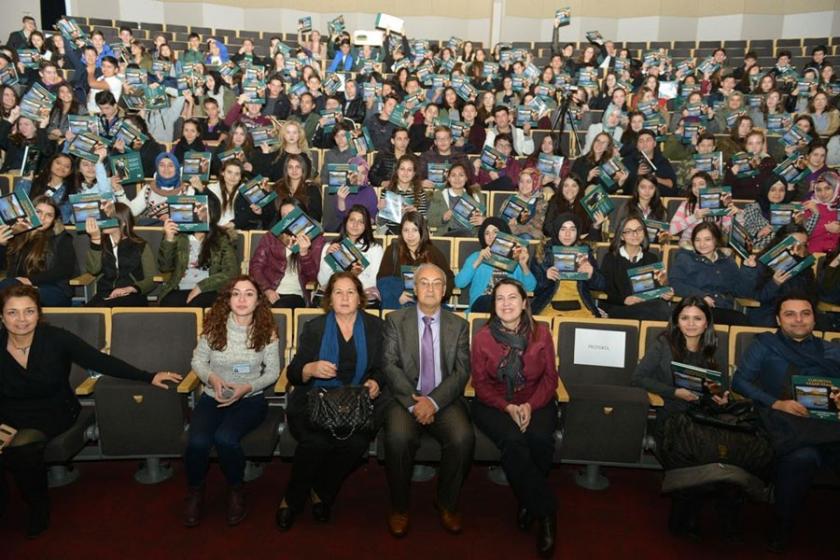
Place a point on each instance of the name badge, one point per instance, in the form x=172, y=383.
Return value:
x=241, y=369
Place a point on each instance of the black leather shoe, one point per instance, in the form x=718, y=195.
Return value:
x=39, y=520
x=547, y=536
x=321, y=512
x=779, y=538
x=524, y=519
x=285, y=518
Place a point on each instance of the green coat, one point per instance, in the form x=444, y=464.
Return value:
x=93, y=265
x=174, y=256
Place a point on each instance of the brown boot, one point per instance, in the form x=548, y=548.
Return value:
x=236, y=505
x=194, y=506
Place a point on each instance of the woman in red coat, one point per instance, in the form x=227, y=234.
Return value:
x=515, y=381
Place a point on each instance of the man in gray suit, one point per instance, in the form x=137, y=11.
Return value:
x=426, y=361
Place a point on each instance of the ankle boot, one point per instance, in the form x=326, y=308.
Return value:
x=237, y=509
x=194, y=506
x=26, y=463
x=547, y=535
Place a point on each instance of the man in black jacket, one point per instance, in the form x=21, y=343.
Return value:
x=20, y=39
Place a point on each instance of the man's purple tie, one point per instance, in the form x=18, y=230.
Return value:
x=427, y=359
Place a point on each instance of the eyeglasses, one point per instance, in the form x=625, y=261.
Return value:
x=433, y=284
x=637, y=231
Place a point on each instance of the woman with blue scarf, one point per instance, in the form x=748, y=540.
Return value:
x=340, y=348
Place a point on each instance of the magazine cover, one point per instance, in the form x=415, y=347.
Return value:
x=92, y=205
x=783, y=257
x=184, y=211
x=18, y=212
x=502, y=251
x=645, y=283
x=817, y=394
x=295, y=223
x=697, y=379
x=128, y=167
x=714, y=199
x=196, y=164
x=568, y=260
x=346, y=256
x=255, y=191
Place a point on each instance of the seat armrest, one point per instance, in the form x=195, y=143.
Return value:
x=282, y=383
x=469, y=390
x=83, y=280
x=655, y=400
x=85, y=388
x=562, y=394
x=189, y=383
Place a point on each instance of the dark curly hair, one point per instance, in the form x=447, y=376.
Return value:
x=263, y=327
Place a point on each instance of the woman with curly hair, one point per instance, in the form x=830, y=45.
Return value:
x=237, y=358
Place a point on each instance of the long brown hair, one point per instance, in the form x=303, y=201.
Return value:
x=416, y=183
x=227, y=198
x=262, y=330
x=36, y=244
x=281, y=187
x=125, y=221
x=418, y=220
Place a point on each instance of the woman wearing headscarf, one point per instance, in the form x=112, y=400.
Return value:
x=150, y=205
x=823, y=203
x=756, y=215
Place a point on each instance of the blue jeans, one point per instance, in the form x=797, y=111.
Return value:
x=224, y=428
x=51, y=295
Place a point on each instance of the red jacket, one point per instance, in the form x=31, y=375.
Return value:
x=268, y=265
x=540, y=370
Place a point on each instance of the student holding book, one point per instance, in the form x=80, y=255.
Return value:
x=17, y=133
x=441, y=215
x=237, y=137
x=549, y=184
x=149, y=149
x=629, y=249
x=522, y=139
x=588, y=167
x=123, y=262
x=757, y=216
x=406, y=182
x=690, y=339
x=690, y=213
x=647, y=159
x=826, y=117
x=293, y=184
x=43, y=257
x=237, y=211
x=284, y=264
x=815, y=167
x=503, y=179
x=824, y=236
x=568, y=200
x=703, y=145
x=150, y=205
x=772, y=284
x=365, y=195
x=199, y=262
x=647, y=203
x=412, y=247
x=357, y=229
x=529, y=223
x=479, y=275
x=65, y=105
x=709, y=273
x=385, y=161
x=55, y=182
x=443, y=152
x=745, y=178
x=190, y=140
x=555, y=294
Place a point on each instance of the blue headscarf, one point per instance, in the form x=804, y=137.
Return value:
x=329, y=349
x=175, y=180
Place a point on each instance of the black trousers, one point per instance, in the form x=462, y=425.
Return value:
x=131, y=300
x=25, y=464
x=651, y=310
x=321, y=462
x=453, y=431
x=795, y=472
x=526, y=457
x=178, y=298
x=289, y=302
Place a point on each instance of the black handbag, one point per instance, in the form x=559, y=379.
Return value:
x=707, y=433
x=342, y=411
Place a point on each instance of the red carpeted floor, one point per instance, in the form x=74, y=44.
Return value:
x=106, y=515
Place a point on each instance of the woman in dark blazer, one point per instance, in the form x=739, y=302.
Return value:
x=341, y=348
x=515, y=381
x=35, y=394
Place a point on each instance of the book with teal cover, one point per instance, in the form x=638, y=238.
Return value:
x=645, y=283
x=184, y=211
x=92, y=205
x=295, y=223
x=818, y=394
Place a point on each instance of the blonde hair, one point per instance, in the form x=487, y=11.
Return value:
x=303, y=143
